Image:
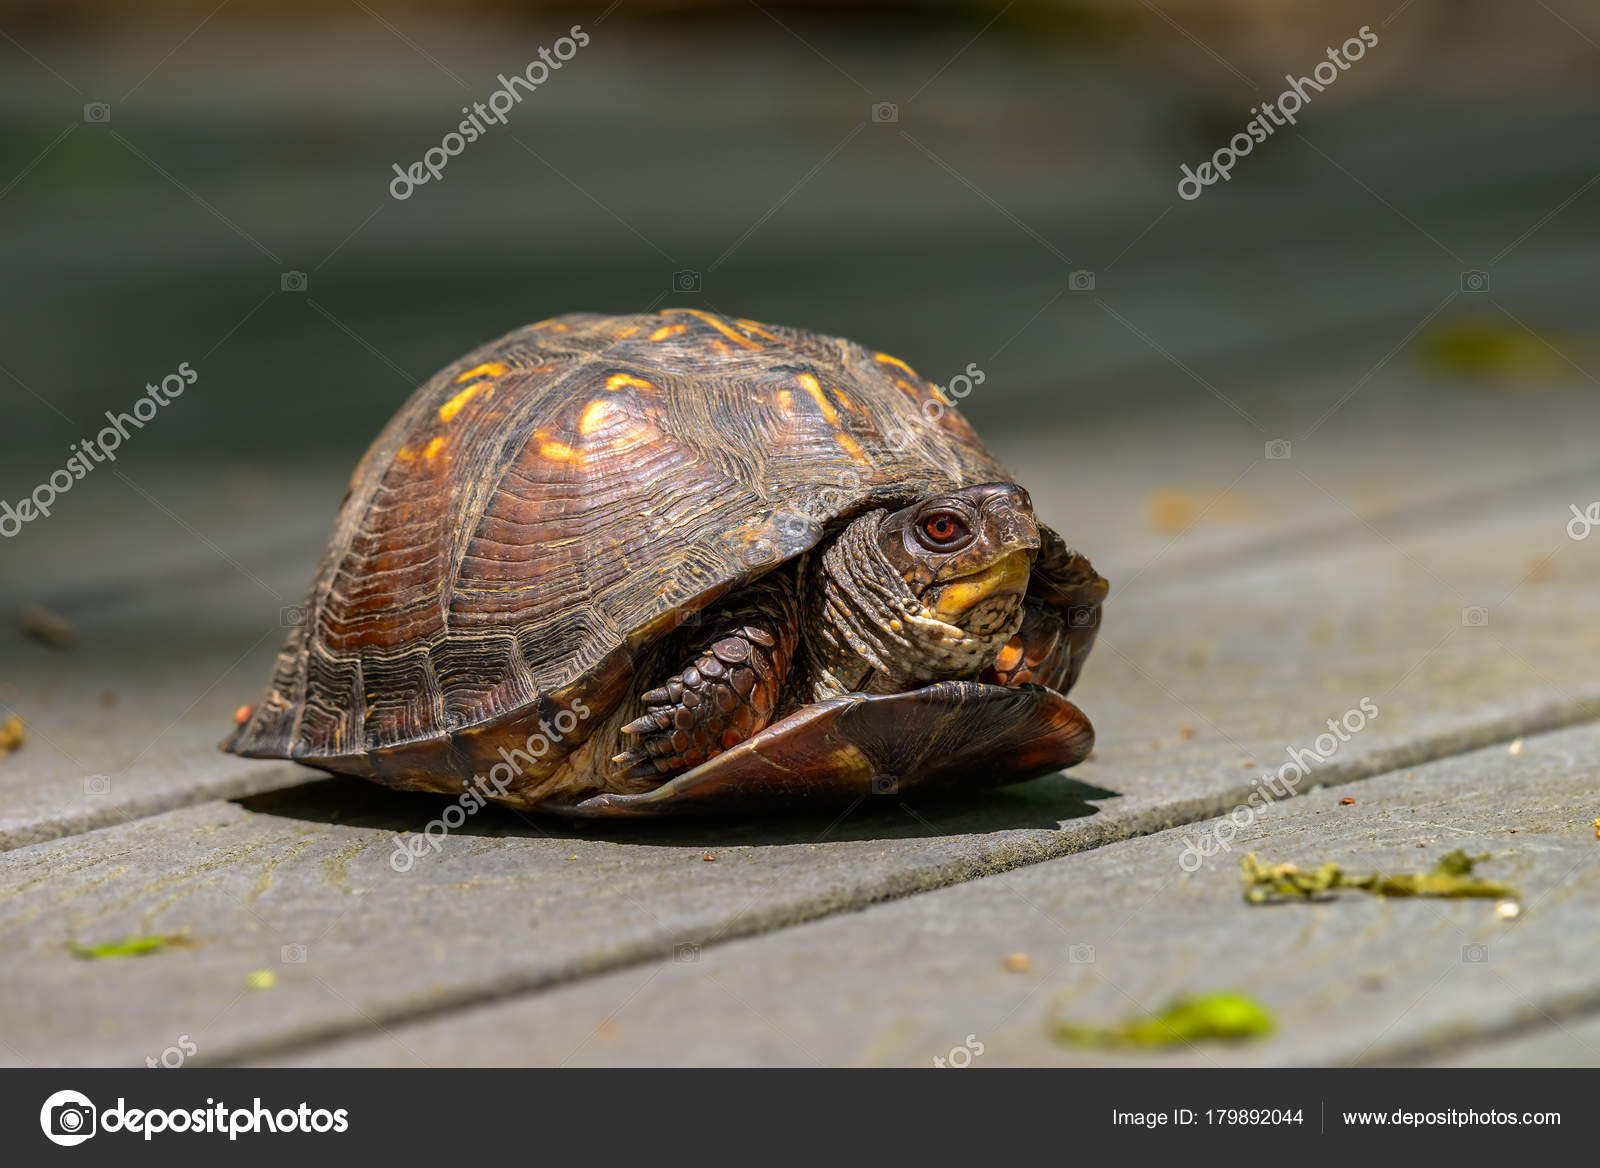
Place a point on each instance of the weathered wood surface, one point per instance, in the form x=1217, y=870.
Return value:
x=175, y=626
x=503, y=910
x=1121, y=930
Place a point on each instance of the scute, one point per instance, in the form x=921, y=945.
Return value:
x=573, y=491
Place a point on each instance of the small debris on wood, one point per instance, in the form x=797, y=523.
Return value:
x=708, y=858
x=1219, y=1016
x=1451, y=876
x=1247, y=763
x=261, y=979
x=1508, y=910
x=13, y=735
x=1017, y=962
x=1347, y=801
x=1597, y=829
x=107, y=699
x=130, y=946
x=1172, y=512
x=45, y=626
x=1185, y=733
x=242, y=715
x=1515, y=748
x=1536, y=570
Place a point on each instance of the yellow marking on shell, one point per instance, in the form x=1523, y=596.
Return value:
x=785, y=400
x=487, y=369
x=433, y=448
x=594, y=416
x=557, y=451
x=733, y=335
x=627, y=332
x=908, y=387
x=754, y=326
x=888, y=360
x=668, y=330
x=840, y=397
x=405, y=454
x=831, y=415
x=453, y=407
x=617, y=380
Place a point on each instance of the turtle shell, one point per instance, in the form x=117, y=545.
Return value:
x=553, y=502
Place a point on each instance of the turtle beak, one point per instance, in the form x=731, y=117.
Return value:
x=1008, y=521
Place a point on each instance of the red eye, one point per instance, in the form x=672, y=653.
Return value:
x=943, y=528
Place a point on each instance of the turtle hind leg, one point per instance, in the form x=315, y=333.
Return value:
x=726, y=694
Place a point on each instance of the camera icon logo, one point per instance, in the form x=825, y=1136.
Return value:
x=1475, y=954
x=1080, y=955
x=293, y=954
x=1475, y=281
x=68, y=1118
x=1084, y=616
x=97, y=785
x=686, y=954
x=1475, y=617
x=1280, y=448
x=1081, y=280
x=686, y=280
x=97, y=112
x=292, y=617
x=292, y=282
x=793, y=523
x=885, y=784
x=885, y=112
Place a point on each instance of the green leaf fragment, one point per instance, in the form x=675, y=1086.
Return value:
x=1450, y=877
x=130, y=946
x=1228, y=1017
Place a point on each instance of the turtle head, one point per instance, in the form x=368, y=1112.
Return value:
x=967, y=554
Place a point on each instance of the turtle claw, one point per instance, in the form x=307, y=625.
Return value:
x=638, y=764
x=648, y=724
x=718, y=701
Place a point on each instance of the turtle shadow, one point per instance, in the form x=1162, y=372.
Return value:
x=1041, y=804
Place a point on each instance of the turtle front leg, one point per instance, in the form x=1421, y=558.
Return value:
x=726, y=694
x=1040, y=653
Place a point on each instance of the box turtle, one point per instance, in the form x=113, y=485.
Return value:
x=633, y=565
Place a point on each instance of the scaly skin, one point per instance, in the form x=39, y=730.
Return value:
x=726, y=694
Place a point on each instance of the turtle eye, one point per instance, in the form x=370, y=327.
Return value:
x=942, y=529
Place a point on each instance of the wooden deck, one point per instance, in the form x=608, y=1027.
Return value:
x=1412, y=551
